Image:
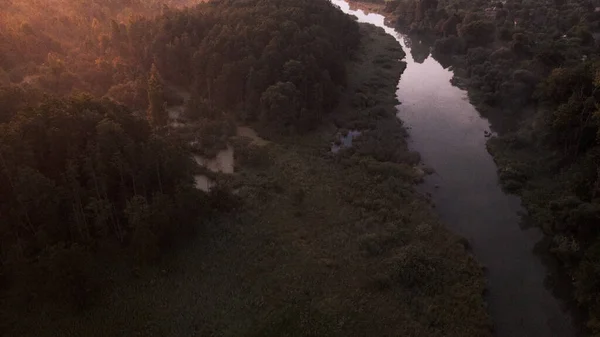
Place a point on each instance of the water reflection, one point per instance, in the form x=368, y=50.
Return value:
x=450, y=136
x=345, y=141
x=203, y=183
x=419, y=47
x=223, y=162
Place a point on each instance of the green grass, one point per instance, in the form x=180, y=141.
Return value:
x=324, y=245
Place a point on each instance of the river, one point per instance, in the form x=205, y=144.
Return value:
x=449, y=134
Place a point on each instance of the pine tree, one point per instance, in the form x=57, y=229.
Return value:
x=157, y=114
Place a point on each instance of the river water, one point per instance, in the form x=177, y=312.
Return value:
x=449, y=134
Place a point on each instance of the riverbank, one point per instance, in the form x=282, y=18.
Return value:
x=324, y=244
x=545, y=182
x=451, y=135
x=377, y=7
x=368, y=7
x=556, y=186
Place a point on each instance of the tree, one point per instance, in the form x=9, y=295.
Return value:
x=449, y=26
x=157, y=114
x=478, y=32
x=145, y=240
x=280, y=104
x=80, y=172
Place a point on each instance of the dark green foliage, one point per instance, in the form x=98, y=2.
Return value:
x=419, y=271
x=536, y=62
x=554, y=164
x=197, y=108
x=157, y=114
x=525, y=36
x=253, y=156
x=280, y=104
x=372, y=142
x=227, y=52
x=449, y=46
x=81, y=174
x=449, y=26
x=284, y=72
x=84, y=172
x=13, y=98
x=572, y=92
x=478, y=33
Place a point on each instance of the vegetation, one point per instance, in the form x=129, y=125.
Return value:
x=89, y=177
x=322, y=244
x=84, y=177
x=552, y=161
x=535, y=65
x=99, y=183
x=280, y=63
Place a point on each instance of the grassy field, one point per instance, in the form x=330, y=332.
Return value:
x=323, y=244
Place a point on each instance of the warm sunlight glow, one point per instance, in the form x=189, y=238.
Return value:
x=300, y=168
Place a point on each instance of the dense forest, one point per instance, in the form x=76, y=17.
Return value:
x=284, y=70
x=91, y=172
x=502, y=50
x=532, y=68
x=108, y=110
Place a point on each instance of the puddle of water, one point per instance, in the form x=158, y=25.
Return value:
x=203, y=183
x=175, y=112
x=222, y=163
x=345, y=141
x=450, y=135
x=176, y=116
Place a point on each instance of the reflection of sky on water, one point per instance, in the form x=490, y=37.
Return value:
x=449, y=134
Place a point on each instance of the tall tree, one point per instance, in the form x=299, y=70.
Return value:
x=157, y=114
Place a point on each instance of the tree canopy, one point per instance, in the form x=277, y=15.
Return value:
x=88, y=174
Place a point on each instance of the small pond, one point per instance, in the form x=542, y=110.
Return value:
x=344, y=141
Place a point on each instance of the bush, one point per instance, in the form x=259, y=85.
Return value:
x=478, y=33
x=418, y=270
x=70, y=277
x=502, y=54
x=449, y=46
x=247, y=155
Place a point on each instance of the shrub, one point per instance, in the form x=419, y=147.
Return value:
x=478, y=33
x=449, y=46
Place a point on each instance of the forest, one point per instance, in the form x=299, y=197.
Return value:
x=254, y=72
x=92, y=176
x=533, y=69
x=109, y=112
